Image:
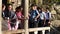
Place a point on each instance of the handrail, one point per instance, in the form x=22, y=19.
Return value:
x=30, y=30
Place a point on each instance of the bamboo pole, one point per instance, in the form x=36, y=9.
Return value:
x=26, y=5
x=0, y=16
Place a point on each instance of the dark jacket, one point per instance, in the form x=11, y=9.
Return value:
x=11, y=14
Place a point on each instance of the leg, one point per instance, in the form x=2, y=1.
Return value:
x=35, y=24
x=16, y=26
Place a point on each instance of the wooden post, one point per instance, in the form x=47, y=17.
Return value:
x=43, y=32
x=26, y=5
x=0, y=16
x=49, y=31
x=36, y=32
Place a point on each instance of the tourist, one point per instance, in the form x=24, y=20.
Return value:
x=47, y=17
x=3, y=11
x=41, y=17
x=11, y=16
x=33, y=16
x=20, y=17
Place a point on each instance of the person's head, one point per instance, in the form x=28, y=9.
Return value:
x=19, y=8
x=39, y=9
x=43, y=9
x=34, y=7
x=9, y=7
x=47, y=9
x=3, y=7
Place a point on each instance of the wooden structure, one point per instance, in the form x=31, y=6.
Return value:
x=29, y=30
x=26, y=30
x=0, y=15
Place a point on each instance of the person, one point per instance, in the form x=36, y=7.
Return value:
x=11, y=16
x=47, y=17
x=4, y=24
x=33, y=17
x=20, y=17
x=41, y=17
x=3, y=11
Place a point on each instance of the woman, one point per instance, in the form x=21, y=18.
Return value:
x=11, y=16
x=20, y=17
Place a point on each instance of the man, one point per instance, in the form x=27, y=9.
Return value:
x=41, y=17
x=33, y=17
x=47, y=17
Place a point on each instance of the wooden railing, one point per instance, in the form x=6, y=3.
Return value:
x=35, y=30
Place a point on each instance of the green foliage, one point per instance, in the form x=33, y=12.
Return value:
x=58, y=0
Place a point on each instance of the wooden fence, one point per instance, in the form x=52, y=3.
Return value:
x=35, y=30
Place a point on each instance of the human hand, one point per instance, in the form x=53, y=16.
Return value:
x=49, y=22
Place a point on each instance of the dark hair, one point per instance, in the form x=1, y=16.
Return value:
x=9, y=5
x=47, y=7
x=3, y=5
x=33, y=5
x=19, y=7
x=38, y=8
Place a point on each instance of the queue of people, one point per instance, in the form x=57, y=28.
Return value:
x=38, y=17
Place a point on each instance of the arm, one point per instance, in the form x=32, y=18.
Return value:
x=37, y=15
x=44, y=17
x=49, y=18
x=44, y=20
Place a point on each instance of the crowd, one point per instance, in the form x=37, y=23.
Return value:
x=38, y=17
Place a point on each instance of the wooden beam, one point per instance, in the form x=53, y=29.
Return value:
x=0, y=16
x=26, y=5
x=18, y=31
x=39, y=29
